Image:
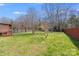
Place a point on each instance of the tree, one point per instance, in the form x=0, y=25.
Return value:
x=49, y=15
x=32, y=17
x=72, y=21
x=45, y=27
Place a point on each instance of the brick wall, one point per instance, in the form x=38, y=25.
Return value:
x=74, y=32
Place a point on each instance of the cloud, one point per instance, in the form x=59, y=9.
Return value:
x=17, y=12
x=77, y=9
x=2, y=4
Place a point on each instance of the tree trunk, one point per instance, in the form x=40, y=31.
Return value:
x=25, y=30
x=33, y=31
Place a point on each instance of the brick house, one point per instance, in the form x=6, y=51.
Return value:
x=5, y=29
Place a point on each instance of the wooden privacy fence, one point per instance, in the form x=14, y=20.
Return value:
x=73, y=32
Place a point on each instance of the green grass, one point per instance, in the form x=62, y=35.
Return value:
x=26, y=44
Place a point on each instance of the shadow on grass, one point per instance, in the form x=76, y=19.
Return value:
x=74, y=41
x=22, y=34
x=26, y=34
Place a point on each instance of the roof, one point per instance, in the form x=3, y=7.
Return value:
x=5, y=24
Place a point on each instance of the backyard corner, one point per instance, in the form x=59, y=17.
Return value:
x=56, y=44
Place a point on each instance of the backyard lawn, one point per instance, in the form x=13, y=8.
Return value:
x=26, y=44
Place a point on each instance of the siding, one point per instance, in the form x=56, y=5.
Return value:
x=5, y=29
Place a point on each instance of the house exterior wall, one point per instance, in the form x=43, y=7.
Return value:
x=5, y=29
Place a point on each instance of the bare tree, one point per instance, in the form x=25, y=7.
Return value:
x=32, y=17
x=45, y=27
x=49, y=12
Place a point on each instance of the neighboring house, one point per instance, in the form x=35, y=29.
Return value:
x=5, y=29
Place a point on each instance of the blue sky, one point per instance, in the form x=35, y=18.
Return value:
x=13, y=10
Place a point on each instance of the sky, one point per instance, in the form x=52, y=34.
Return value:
x=12, y=10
